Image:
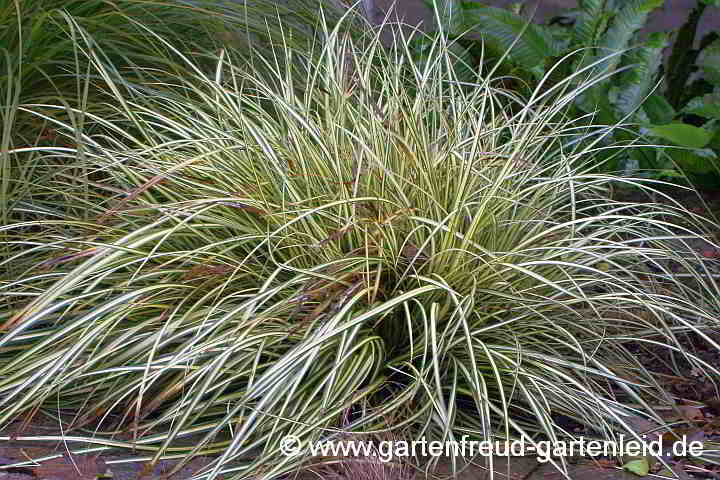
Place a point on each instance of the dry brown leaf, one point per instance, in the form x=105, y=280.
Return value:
x=413, y=254
x=47, y=264
x=691, y=413
x=334, y=236
x=714, y=404
x=204, y=270
x=689, y=434
x=131, y=195
x=70, y=468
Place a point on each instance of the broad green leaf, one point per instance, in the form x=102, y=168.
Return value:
x=647, y=158
x=709, y=62
x=712, y=3
x=700, y=162
x=449, y=14
x=636, y=83
x=670, y=174
x=591, y=22
x=707, y=106
x=462, y=62
x=715, y=142
x=682, y=134
x=562, y=36
x=622, y=28
x=499, y=28
x=712, y=74
x=658, y=109
x=597, y=100
x=638, y=466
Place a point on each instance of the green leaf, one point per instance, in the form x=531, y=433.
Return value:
x=647, y=158
x=709, y=62
x=499, y=28
x=425, y=50
x=449, y=14
x=698, y=162
x=715, y=142
x=682, y=134
x=636, y=83
x=624, y=25
x=670, y=174
x=597, y=100
x=712, y=3
x=707, y=106
x=462, y=62
x=658, y=109
x=639, y=466
x=712, y=74
x=591, y=22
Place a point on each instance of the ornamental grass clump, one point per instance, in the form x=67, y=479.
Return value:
x=347, y=241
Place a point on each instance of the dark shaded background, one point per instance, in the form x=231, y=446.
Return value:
x=672, y=15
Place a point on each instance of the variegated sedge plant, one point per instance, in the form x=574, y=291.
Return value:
x=342, y=240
